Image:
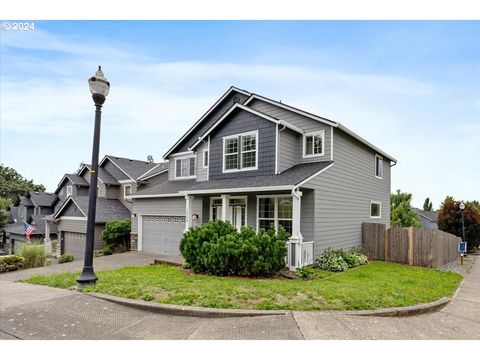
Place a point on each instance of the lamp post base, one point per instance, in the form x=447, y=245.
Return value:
x=87, y=277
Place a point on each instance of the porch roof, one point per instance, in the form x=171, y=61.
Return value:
x=288, y=179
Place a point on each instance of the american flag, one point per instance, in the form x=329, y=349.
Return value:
x=28, y=230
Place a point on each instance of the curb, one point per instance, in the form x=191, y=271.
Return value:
x=400, y=311
x=185, y=310
x=195, y=311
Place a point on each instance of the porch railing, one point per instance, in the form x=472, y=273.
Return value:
x=299, y=254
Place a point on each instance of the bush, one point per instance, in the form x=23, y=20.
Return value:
x=65, y=258
x=34, y=254
x=117, y=233
x=339, y=260
x=107, y=251
x=11, y=263
x=305, y=272
x=217, y=248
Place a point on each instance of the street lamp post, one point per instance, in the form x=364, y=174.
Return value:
x=462, y=207
x=99, y=87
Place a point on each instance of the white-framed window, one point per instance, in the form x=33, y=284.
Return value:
x=375, y=209
x=185, y=167
x=205, y=158
x=314, y=144
x=378, y=167
x=240, y=152
x=127, y=191
x=236, y=211
x=69, y=190
x=275, y=210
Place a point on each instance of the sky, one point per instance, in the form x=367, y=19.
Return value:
x=409, y=87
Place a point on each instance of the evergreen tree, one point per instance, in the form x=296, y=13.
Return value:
x=427, y=205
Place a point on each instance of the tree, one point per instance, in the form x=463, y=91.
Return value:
x=150, y=159
x=117, y=232
x=12, y=184
x=402, y=213
x=427, y=205
x=450, y=220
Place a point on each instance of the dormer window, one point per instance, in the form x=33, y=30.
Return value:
x=185, y=167
x=314, y=144
x=240, y=152
x=378, y=167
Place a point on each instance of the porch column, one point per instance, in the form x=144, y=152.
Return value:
x=188, y=212
x=225, y=199
x=296, y=239
x=47, y=242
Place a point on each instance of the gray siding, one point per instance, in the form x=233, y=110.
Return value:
x=114, y=170
x=160, y=206
x=237, y=123
x=79, y=226
x=234, y=97
x=112, y=192
x=202, y=173
x=291, y=143
x=343, y=194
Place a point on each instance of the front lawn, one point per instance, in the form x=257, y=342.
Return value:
x=376, y=285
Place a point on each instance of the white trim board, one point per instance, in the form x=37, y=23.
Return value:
x=209, y=111
x=250, y=110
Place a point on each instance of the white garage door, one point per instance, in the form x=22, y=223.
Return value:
x=162, y=234
x=75, y=244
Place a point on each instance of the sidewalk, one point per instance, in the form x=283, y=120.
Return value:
x=38, y=312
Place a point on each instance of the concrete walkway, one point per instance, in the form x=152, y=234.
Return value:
x=37, y=312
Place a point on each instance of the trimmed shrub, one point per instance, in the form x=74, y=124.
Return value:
x=33, y=253
x=117, y=235
x=65, y=258
x=11, y=263
x=217, y=248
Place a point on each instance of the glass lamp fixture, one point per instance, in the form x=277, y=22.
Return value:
x=98, y=84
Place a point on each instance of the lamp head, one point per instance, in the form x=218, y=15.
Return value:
x=98, y=83
x=462, y=206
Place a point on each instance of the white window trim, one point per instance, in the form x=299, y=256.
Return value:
x=240, y=149
x=206, y=154
x=322, y=133
x=375, y=166
x=125, y=191
x=380, y=207
x=228, y=213
x=275, y=218
x=175, y=168
x=69, y=190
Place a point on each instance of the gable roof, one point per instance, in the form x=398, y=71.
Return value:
x=107, y=209
x=250, y=110
x=320, y=119
x=23, y=200
x=130, y=167
x=42, y=198
x=157, y=170
x=74, y=179
x=209, y=111
x=429, y=215
x=103, y=175
x=293, y=177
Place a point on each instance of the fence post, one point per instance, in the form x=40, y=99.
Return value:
x=385, y=244
x=410, y=245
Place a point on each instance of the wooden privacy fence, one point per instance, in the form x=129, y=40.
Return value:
x=413, y=246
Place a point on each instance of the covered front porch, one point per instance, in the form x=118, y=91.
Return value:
x=260, y=209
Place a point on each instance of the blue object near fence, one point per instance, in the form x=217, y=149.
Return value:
x=462, y=247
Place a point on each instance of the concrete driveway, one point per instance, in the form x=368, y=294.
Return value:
x=37, y=312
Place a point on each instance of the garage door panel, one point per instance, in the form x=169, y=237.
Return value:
x=75, y=244
x=162, y=234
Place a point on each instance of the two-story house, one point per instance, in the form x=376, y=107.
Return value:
x=258, y=162
x=118, y=178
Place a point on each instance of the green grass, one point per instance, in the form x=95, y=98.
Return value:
x=376, y=285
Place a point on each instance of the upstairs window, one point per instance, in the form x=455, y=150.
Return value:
x=69, y=190
x=240, y=152
x=127, y=191
x=313, y=144
x=378, y=167
x=185, y=167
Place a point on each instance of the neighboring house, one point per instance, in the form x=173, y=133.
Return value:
x=428, y=219
x=258, y=162
x=31, y=208
x=117, y=178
